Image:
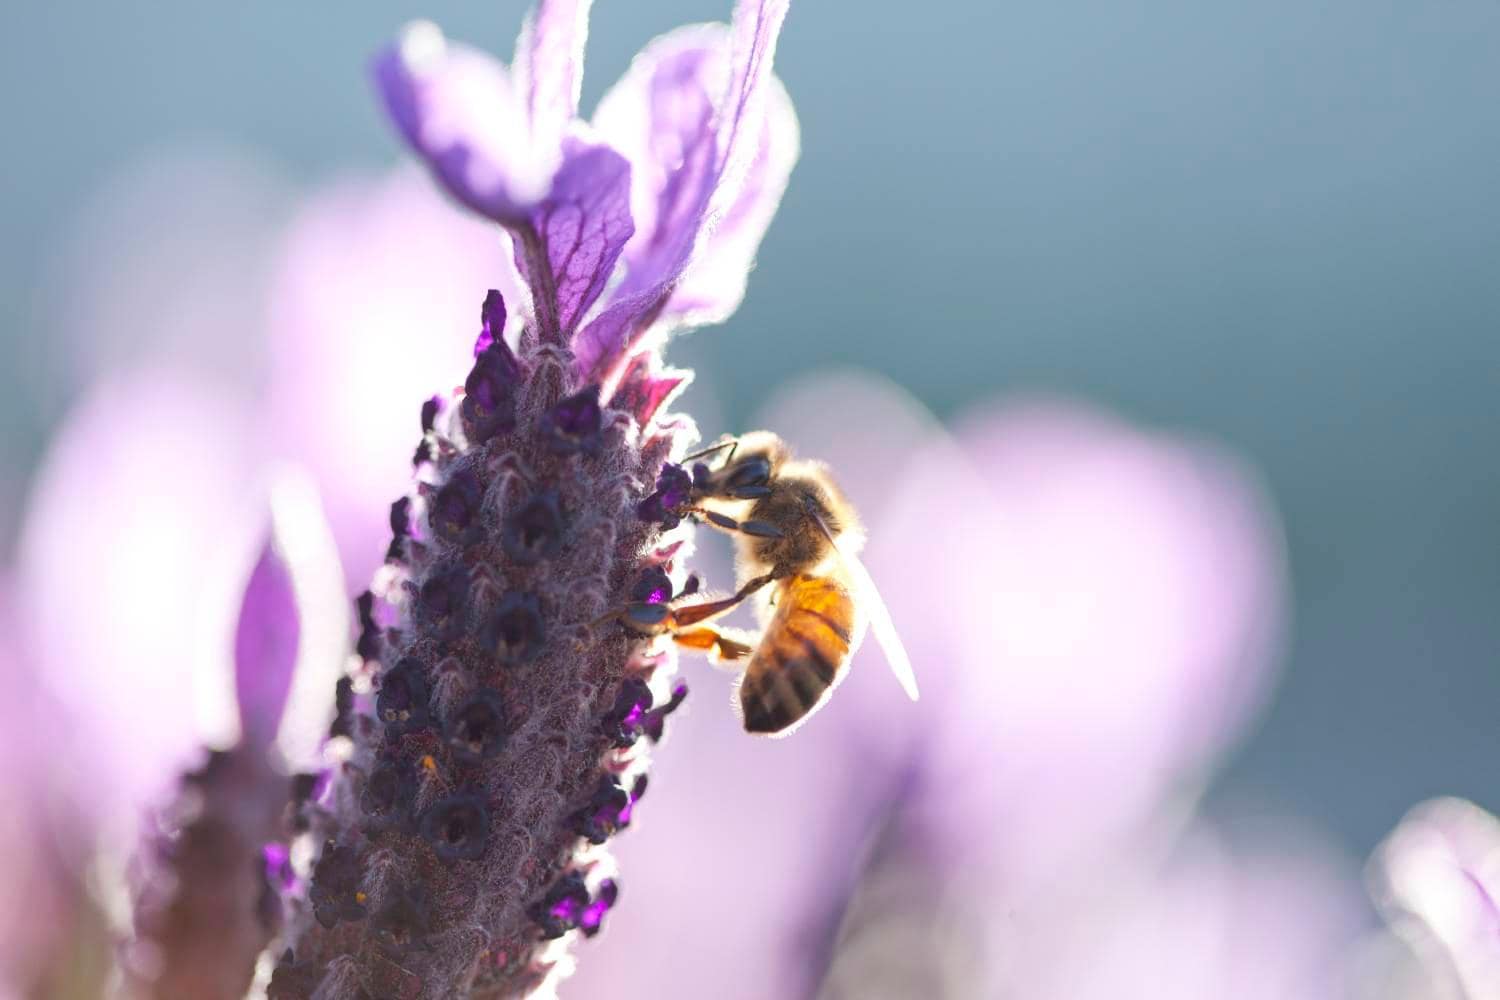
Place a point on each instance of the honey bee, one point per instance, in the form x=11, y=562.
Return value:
x=797, y=541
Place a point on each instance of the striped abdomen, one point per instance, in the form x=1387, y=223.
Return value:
x=803, y=653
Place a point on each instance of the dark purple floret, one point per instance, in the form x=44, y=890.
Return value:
x=478, y=729
x=600, y=817
x=534, y=530
x=637, y=789
x=364, y=605
x=401, y=517
x=489, y=405
x=608, y=809
x=653, y=587
x=563, y=906
x=592, y=920
x=277, y=866
x=673, y=489
x=515, y=631
x=456, y=827
x=405, y=918
x=454, y=514
x=343, y=708
x=368, y=645
x=651, y=726
x=442, y=601
x=303, y=785
x=430, y=411
x=575, y=423
x=491, y=322
x=335, y=893
x=622, y=724
x=402, y=701
x=422, y=454
x=389, y=791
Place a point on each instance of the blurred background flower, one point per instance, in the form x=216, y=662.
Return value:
x=1436, y=879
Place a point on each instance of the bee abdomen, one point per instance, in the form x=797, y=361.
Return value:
x=802, y=655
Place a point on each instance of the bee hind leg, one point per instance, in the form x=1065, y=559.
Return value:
x=716, y=642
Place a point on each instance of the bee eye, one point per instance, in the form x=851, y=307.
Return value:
x=751, y=472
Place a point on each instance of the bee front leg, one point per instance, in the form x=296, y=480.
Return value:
x=759, y=529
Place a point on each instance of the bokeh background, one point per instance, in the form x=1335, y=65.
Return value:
x=1274, y=227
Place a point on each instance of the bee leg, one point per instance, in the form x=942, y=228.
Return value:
x=715, y=642
x=694, y=614
x=760, y=529
x=732, y=444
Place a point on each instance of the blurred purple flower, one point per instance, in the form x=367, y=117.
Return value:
x=138, y=532
x=1437, y=880
x=51, y=937
x=1092, y=611
x=370, y=311
x=127, y=607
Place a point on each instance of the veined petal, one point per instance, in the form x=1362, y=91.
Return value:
x=575, y=234
x=713, y=285
x=459, y=110
x=660, y=114
x=693, y=166
x=548, y=66
x=756, y=26
x=265, y=646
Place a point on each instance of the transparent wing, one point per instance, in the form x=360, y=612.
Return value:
x=879, y=615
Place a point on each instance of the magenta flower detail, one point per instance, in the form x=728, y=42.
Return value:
x=491, y=738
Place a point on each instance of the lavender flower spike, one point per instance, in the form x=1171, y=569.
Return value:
x=492, y=737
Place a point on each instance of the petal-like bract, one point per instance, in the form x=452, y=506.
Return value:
x=265, y=647
x=459, y=110
x=694, y=164
x=582, y=226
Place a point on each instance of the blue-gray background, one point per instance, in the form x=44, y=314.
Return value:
x=1274, y=222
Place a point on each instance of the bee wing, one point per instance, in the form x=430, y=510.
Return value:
x=879, y=615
